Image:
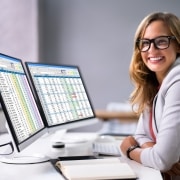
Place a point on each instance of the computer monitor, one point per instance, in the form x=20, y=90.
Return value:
x=57, y=100
x=62, y=95
x=24, y=121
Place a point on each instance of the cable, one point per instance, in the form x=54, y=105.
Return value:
x=5, y=144
x=22, y=159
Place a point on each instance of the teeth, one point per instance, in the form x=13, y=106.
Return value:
x=155, y=58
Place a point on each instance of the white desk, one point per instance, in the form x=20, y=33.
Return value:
x=45, y=171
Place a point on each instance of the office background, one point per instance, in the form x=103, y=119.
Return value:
x=96, y=35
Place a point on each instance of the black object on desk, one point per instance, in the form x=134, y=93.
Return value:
x=70, y=158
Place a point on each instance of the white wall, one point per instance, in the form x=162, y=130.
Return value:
x=96, y=35
x=18, y=33
x=19, y=28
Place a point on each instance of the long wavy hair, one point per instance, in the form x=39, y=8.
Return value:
x=145, y=81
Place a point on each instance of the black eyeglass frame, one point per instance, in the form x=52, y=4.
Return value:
x=154, y=42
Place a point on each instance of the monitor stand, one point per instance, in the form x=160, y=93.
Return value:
x=10, y=156
x=24, y=159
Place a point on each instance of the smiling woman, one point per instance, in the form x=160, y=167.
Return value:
x=160, y=55
x=154, y=70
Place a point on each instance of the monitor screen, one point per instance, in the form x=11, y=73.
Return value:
x=24, y=121
x=62, y=95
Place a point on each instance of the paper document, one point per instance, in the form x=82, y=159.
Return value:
x=92, y=169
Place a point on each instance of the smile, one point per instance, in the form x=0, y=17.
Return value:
x=155, y=59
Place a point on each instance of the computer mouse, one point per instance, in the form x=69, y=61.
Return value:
x=105, y=139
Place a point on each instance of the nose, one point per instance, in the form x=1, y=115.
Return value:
x=152, y=47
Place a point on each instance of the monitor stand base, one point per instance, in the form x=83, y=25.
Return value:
x=34, y=159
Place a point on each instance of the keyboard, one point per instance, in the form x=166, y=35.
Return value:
x=110, y=149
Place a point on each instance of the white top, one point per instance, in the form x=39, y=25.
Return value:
x=166, y=124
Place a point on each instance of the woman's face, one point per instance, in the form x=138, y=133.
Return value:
x=159, y=61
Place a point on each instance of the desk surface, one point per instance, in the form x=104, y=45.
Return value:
x=45, y=171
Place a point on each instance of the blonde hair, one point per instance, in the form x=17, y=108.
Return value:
x=145, y=81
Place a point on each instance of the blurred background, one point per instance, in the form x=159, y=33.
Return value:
x=96, y=35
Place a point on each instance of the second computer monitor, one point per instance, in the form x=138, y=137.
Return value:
x=62, y=95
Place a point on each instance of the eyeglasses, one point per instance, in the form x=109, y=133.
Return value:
x=161, y=42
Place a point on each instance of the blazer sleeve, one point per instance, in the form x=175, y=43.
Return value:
x=166, y=151
x=142, y=134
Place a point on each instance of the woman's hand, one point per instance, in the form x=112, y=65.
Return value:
x=130, y=141
x=135, y=154
x=126, y=143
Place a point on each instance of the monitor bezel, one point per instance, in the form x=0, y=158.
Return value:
x=67, y=125
x=19, y=146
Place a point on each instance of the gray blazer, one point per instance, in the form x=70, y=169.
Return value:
x=166, y=124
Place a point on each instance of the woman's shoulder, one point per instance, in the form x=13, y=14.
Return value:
x=174, y=72
x=172, y=77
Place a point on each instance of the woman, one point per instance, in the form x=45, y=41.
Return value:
x=155, y=71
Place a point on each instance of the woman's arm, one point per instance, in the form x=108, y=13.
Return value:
x=135, y=155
